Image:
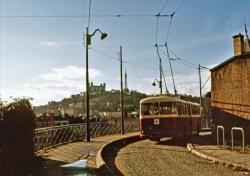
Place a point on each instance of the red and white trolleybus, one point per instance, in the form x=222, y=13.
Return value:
x=165, y=116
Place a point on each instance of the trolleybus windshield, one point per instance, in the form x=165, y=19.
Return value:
x=168, y=108
x=158, y=108
x=147, y=109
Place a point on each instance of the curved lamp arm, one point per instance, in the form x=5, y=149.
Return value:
x=88, y=38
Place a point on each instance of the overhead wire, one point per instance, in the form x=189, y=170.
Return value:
x=164, y=5
x=170, y=25
x=167, y=36
x=116, y=59
x=156, y=31
x=180, y=61
x=179, y=6
x=85, y=16
x=89, y=14
x=157, y=26
x=130, y=46
x=206, y=82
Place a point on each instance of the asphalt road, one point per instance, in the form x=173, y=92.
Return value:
x=169, y=157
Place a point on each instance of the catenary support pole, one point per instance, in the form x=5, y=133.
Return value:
x=121, y=94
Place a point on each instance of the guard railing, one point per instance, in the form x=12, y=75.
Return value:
x=56, y=135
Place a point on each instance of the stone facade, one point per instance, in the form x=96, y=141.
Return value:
x=230, y=89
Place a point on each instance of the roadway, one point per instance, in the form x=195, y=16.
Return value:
x=168, y=157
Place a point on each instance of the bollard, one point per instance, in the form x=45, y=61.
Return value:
x=243, y=137
x=223, y=135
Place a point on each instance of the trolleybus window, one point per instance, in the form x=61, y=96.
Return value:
x=189, y=109
x=168, y=108
x=156, y=108
x=147, y=108
x=179, y=108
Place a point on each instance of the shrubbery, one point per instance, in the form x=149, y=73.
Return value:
x=17, y=131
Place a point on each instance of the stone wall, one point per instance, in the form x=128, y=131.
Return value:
x=231, y=87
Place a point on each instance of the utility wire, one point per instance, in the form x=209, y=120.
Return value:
x=104, y=54
x=170, y=25
x=179, y=6
x=206, y=82
x=156, y=31
x=130, y=46
x=181, y=59
x=85, y=16
x=126, y=62
x=139, y=66
x=115, y=59
x=163, y=7
x=89, y=13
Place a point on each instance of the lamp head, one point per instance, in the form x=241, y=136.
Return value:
x=103, y=36
x=153, y=84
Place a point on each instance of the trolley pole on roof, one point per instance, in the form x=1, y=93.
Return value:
x=160, y=65
x=121, y=95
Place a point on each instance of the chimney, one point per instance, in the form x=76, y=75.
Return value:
x=238, y=44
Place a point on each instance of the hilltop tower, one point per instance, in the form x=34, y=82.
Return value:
x=126, y=83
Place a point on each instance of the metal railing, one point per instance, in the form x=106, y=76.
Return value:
x=243, y=137
x=52, y=136
x=223, y=135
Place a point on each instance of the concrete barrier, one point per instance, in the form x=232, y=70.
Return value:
x=101, y=163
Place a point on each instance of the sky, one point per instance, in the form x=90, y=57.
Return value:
x=42, y=53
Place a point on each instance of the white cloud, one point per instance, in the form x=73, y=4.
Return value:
x=185, y=84
x=70, y=72
x=55, y=85
x=59, y=83
x=57, y=44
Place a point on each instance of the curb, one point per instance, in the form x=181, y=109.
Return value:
x=227, y=163
x=101, y=164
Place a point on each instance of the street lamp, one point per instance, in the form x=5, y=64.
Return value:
x=160, y=84
x=88, y=42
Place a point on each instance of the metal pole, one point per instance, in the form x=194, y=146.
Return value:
x=87, y=87
x=199, y=70
x=121, y=95
x=160, y=82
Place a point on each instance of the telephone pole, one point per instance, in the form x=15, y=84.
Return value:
x=87, y=86
x=121, y=94
x=199, y=71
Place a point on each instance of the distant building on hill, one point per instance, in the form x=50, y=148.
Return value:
x=97, y=89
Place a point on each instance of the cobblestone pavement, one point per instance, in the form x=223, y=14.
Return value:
x=168, y=157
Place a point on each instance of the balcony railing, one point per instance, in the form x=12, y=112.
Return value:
x=56, y=135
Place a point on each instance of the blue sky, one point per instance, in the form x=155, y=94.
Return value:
x=44, y=57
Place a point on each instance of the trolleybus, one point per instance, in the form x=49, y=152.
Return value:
x=165, y=116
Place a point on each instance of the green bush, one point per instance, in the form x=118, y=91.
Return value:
x=18, y=131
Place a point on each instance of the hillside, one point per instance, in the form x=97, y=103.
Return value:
x=108, y=101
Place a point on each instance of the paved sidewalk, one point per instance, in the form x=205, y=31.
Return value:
x=202, y=147
x=72, y=152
